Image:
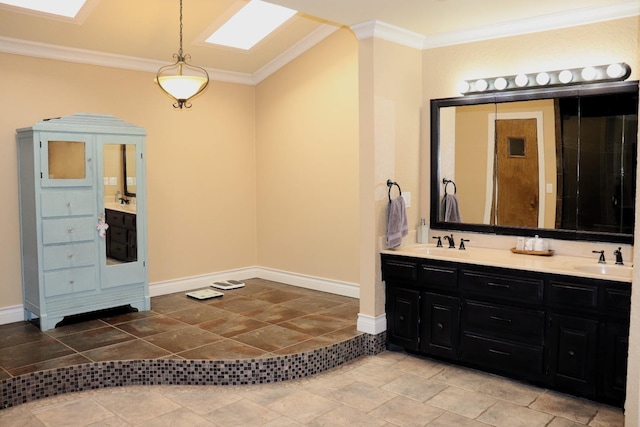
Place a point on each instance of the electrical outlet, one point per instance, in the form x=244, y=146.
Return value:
x=549, y=188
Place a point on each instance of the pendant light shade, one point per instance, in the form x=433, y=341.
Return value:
x=182, y=81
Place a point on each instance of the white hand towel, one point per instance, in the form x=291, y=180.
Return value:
x=397, y=226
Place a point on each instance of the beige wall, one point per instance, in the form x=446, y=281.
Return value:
x=201, y=204
x=307, y=171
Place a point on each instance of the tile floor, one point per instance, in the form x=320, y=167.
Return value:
x=388, y=389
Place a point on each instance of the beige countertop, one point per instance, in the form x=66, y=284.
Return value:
x=130, y=208
x=557, y=264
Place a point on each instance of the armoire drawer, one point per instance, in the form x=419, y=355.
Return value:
x=68, y=256
x=515, y=324
x=522, y=360
x=68, y=230
x=68, y=281
x=67, y=203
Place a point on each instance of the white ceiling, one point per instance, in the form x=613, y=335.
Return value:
x=143, y=34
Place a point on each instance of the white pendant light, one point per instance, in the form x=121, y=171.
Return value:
x=182, y=81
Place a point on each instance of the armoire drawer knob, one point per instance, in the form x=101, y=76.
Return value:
x=70, y=230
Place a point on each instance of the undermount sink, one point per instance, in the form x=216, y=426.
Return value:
x=606, y=269
x=436, y=251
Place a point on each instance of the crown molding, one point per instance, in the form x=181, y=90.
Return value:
x=83, y=56
x=388, y=32
x=536, y=24
x=300, y=47
x=102, y=59
x=384, y=31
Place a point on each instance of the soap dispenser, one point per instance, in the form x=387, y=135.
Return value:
x=118, y=196
x=423, y=235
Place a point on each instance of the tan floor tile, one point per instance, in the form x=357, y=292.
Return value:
x=223, y=350
x=403, y=411
x=179, y=418
x=608, y=417
x=303, y=406
x=505, y=414
x=467, y=379
x=569, y=407
x=18, y=417
x=76, y=413
x=135, y=404
x=242, y=413
x=423, y=367
x=201, y=399
x=282, y=422
x=183, y=339
x=271, y=338
x=449, y=419
x=563, y=422
x=372, y=374
x=361, y=396
x=510, y=390
x=415, y=387
x=265, y=394
x=463, y=402
x=324, y=385
x=346, y=416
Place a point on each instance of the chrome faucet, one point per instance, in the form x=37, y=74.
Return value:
x=601, y=259
x=452, y=243
x=618, y=254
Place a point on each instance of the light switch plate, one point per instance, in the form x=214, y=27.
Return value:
x=113, y=180
x=407, y=199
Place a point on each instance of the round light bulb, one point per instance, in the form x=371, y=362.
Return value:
x=589, y=73
x=565, y=76
x=522, y=80
x=542, y=78
x=481, y=85
x=463, y=86
x=500, y=83
x=614, y=71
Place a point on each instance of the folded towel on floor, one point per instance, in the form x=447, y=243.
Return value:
x=449, y=209
x=397, y=226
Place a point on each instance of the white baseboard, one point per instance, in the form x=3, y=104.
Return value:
x=372, y=325
x=11, y=314
x=310, y=282
x=16, y=313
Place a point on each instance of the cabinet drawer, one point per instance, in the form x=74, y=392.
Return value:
x=114, y=218
x=502, y=286
x=399, y=269
x=510, y=323
x=118, y=251
x=130, y=221
x=67, y=203
x=67, y=256
x=117, y=234
x=520, y=360
x=68, y=230
x=61, y=282
x=574, y=295
x=438, y=276
x=617, y=300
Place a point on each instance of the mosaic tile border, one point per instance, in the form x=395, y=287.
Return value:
x=38, y=385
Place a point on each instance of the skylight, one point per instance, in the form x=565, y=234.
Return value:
x=67, y=8
x=251, y=24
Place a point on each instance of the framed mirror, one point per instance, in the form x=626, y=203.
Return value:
x=559, y=162
x=129, y=169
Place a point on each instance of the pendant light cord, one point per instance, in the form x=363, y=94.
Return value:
x=180, y=49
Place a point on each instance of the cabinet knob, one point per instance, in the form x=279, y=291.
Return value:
x=402, y=318
x=440, y=326
x=571, y=353
x=71, y=282
x=69, y=204
x=70, y=230
x=70, y=256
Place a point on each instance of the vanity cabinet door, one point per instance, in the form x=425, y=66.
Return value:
x=402, y=307
x=572, y=353
x=440, y=325
x=614, y=344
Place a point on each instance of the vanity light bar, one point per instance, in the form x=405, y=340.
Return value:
x=591, y=74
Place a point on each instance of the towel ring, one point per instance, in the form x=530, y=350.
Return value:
x=390, y=184
x=446, y=183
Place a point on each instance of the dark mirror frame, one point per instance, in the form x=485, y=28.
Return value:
x=124, y=172
x=502, y=97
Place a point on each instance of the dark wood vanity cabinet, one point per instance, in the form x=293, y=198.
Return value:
x=121, y=235
x=562, y=332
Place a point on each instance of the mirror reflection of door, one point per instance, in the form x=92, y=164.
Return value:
x=517, y=175
x=120, y=206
